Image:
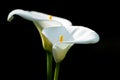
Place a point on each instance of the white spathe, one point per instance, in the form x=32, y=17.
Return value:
x=41, y=20
x=57, y=34
x=72, y=35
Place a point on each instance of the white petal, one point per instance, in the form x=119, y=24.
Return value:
x=63, y=21
x=31, y=15
x=72, y=34
x=46, y=23
x=60, y=50
x=27, y=15
x=53, y=34
x=40, y=15
x=41, y=20
x=54, y=22
x=22, y=13
x=83, y=35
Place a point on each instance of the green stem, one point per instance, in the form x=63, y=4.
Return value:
x=56, y=73
x=49, y=66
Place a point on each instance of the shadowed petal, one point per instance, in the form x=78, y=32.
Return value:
x=60, y=50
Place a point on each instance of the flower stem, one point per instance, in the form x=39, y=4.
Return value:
x=56, y=73
x=49, y=66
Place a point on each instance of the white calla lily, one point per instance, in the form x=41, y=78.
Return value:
x=63, y=38
x=57, y=34
x=41, y=21
x=46, y=24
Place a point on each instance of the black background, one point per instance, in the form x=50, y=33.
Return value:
x=22, y=55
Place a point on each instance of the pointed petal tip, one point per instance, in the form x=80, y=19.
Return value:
x=12, y=13
x=10, y=18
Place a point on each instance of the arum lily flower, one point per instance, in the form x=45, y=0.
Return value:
x=63, y=39
x=41, y=21
x=57, y=34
